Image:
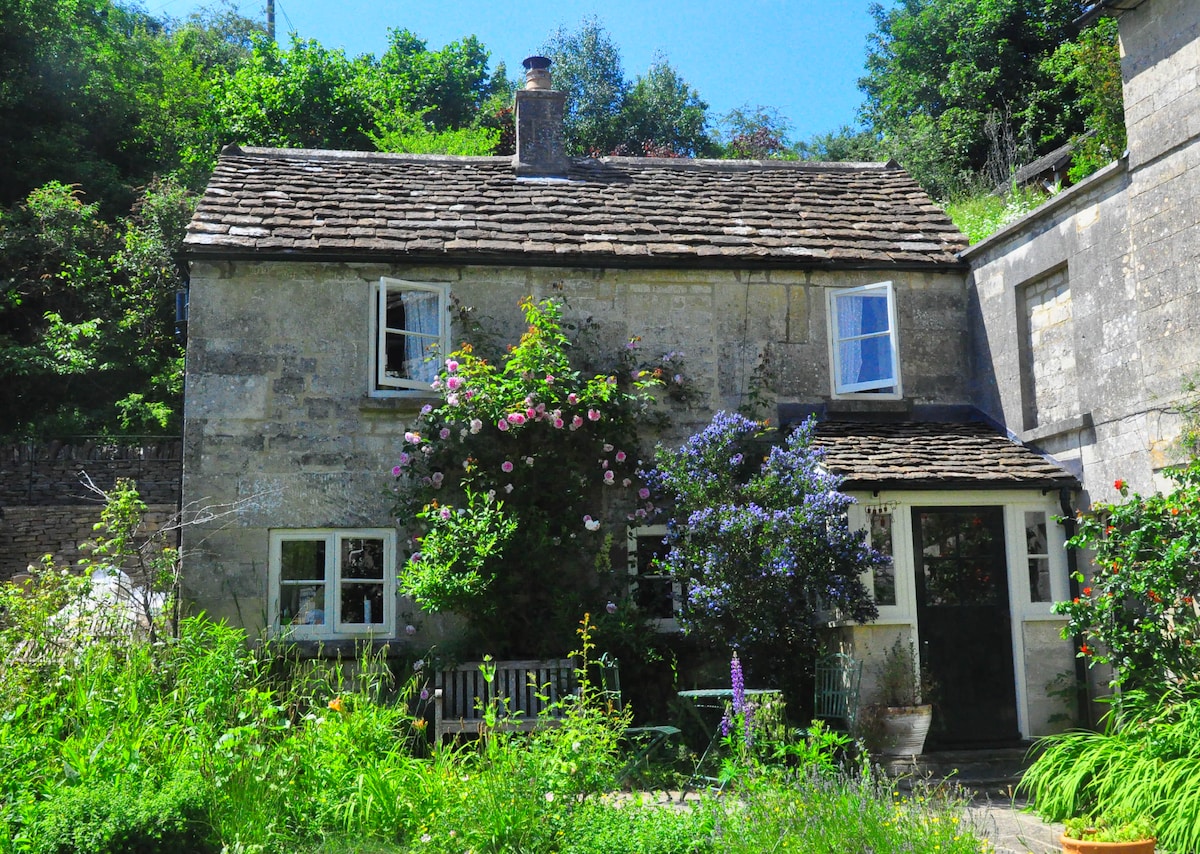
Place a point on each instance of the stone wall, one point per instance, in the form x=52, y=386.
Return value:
x=280, y=423
x=1128, y=242
x=48, y=508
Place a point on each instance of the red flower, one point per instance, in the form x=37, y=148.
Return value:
x=1119, y=484
x=1087, y=591
x=1085, y=649
x=1154, y=597
x=1076, y=600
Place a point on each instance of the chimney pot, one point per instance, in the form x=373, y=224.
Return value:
x=537, y=72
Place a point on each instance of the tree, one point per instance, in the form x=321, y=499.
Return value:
x=587, y=66
x=939, y=70
x=755, y=133
x=87, y=315
x=758, y=537
x=663, y=115
x=845, y=144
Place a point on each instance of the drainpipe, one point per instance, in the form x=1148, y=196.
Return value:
x=1083, y=708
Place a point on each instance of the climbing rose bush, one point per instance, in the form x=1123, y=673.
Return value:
x=759, y=538
x=1139, y=611
x=518, y=477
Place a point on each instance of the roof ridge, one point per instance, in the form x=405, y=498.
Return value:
x=234, y=150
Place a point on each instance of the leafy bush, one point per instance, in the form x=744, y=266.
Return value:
x=1145, y=765
x=758, y=538
x=1140, y=611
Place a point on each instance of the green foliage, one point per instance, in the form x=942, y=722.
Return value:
x=87, y=312
x=1090, y=66
x=1104, y=830
x=1144, y=767
x=663, y=116
x=758, y=535
x=1139, y=613
x=939, y=72
x=982, y=214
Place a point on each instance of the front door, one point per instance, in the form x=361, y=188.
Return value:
x=964, y=625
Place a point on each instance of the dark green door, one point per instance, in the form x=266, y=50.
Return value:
x=965, y=626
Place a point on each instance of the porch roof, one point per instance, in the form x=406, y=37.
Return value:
x=933, y=454
x=336, y=205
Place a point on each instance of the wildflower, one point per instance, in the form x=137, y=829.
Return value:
x=426, y=409
x=424, y=693
x=506, y=466
x=1087, y=591
x=416, y=557
x=425, y=837
x=337, y=705
x=419, y=723
x=397, y=471
x=418, y=665
x=611, y=607
x=1119, y=484
x=1085, y=649
x=445, y=513
x=549, y=797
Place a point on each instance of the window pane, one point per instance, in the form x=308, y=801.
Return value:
x=1039, y=579
x=861, y=314
x=653, y=591
x=1037, y=550
x=362, y=580
x=302, y=605
x=302, y=560
x=412, y=331
x=866, y=360
x=362, y=558
x=884, y=576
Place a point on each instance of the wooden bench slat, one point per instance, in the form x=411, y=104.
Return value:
x=461, y=694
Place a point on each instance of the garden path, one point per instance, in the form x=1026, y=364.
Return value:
x=1004, y=823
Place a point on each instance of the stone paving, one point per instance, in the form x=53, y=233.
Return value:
x=1010, y=829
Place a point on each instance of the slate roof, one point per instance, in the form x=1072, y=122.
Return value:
x=926, y=454
x=264, y=202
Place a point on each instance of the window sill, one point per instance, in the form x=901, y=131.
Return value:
x=408, y=403
x=865, y=404
x=1057, y=428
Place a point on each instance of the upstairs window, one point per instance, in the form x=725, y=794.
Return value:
x=412, y=331
x=330, y=584
x=865, y=352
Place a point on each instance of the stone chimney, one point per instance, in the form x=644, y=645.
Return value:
x=541, y=152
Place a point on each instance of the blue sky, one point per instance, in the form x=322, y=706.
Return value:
x=802, y=57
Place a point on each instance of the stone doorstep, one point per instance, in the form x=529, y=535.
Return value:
x=991, y=770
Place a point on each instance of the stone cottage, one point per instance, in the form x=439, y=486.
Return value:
x=320, y=280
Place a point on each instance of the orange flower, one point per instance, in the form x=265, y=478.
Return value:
x=1174, y=511
x=1076, y=600
x=337, y=705
x=1085, y=649
x=1154, y=597
x=419, y=724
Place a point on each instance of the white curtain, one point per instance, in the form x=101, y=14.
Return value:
x=850, y=325
x=421, y=324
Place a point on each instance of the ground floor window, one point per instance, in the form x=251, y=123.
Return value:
x=657, y=594
x=333, y=583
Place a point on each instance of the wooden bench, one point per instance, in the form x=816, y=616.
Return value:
x=522, y=690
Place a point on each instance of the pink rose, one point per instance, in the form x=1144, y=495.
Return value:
x=593, y=415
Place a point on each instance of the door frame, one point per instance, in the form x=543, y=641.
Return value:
x=1022, y=610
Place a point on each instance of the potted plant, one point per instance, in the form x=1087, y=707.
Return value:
x=1098, y=835
x=902, y=715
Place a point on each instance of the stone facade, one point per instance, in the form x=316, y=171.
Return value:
x=279, y=420
x=1127, y=243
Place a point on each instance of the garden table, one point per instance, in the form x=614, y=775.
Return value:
x=715, y=699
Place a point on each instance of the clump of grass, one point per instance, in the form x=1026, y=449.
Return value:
x=981, y=215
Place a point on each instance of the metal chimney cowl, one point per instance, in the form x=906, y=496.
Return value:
x=539, y=111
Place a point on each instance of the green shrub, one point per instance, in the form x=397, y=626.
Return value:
x=123, y=816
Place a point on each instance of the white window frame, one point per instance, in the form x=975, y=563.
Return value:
x=885, y=389
x=382, y=385
x=633, y=534
x=333, y=626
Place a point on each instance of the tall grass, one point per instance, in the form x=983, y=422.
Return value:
x=1145, y=764
x=203, y=744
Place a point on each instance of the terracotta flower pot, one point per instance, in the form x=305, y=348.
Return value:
x=1085, y=846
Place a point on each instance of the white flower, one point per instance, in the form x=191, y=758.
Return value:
x=549, y=797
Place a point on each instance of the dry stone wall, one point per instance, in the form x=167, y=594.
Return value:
x=47, y=507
